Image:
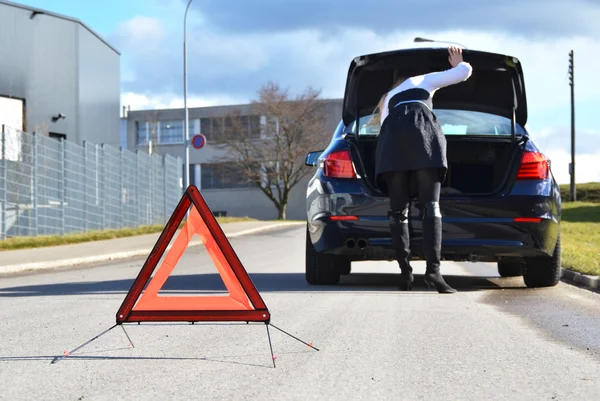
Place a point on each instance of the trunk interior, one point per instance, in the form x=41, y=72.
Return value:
x=476, y=166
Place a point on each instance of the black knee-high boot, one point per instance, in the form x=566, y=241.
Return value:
x=401, y=244
x=432, y=244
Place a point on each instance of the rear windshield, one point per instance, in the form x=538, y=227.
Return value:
x=457, y=122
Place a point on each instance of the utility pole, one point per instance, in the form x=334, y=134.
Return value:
x=573, y=191
x=187, y=117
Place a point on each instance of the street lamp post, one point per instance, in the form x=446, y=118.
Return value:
x=419, y=39
x=187, y=122
x=572, y=189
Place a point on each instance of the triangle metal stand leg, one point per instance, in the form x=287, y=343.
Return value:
x=69, y=353
x=128, y=338
x=273, y=357
x=270, y=345
x=295, y=338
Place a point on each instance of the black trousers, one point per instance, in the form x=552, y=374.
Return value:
x=429, y=186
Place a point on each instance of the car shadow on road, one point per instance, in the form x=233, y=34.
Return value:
x=264, y=282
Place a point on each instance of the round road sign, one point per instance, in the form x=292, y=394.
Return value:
x=198, y=141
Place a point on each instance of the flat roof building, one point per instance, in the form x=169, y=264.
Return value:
x=226, y=192
x=57, y=77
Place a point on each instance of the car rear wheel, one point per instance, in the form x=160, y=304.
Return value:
x=543, y=272
x=510, y=269
x=321, y=268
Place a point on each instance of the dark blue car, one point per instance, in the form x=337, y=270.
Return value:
x=500, y=202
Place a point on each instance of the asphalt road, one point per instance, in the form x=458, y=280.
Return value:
x=494, y=340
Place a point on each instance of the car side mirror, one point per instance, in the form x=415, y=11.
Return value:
x=312, y=158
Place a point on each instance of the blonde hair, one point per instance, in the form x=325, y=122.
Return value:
x=375, y=117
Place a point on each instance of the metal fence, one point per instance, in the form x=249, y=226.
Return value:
x=50, y=186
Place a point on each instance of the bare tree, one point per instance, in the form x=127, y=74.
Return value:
x=270, y=153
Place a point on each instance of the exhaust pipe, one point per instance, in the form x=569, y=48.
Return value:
x=362, y=243
x=350, y=243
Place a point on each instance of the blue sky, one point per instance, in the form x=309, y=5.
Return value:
x=234, y=46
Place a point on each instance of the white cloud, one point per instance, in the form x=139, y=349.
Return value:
x=170, y=101
x=587, y=168
x=141, y=29
x=555, y=142
x=239, y=63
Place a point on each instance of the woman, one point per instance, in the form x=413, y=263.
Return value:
x=411, y=144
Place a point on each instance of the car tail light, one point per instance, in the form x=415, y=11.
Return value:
x=343, y=218
x=339, y=165
x=534, y=166
x=528, y=219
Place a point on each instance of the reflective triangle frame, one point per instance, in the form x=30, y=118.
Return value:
x=244, y=302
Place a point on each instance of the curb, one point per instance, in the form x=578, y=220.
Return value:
x=583, y=280
x=21, y=268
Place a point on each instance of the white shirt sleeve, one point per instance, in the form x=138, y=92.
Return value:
x=437, y=80
x=430, y=82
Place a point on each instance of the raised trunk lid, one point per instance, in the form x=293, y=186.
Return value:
x=496, y=85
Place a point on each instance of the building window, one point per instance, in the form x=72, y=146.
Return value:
x=212, y=128
x=194, y=127
x=251, y=125
x=215, y=128
x=171, y=132
x=224, y=176
x=142, y=132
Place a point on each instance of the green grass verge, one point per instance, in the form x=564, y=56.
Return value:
x=75, y=238
x=580, y=233
x=589, y=192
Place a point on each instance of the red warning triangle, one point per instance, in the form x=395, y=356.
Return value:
x=244, y=303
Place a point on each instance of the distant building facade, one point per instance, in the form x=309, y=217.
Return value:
x=57, y=77
x=227, y=193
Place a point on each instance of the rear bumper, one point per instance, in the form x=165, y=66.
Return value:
x=463, y=239
x=481, y=228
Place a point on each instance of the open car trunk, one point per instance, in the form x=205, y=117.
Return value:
x=481, y=117
x=476, y=166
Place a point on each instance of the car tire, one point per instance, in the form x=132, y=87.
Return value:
x=543, y=272
x=508, y=269
x=321, y=268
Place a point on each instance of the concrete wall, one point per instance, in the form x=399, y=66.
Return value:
x=58, y=66
x=251, y=201
x=99, y=91
x=37, y=63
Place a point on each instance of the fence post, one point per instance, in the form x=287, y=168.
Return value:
x=138, y=194
x=97, y=192
x=4, y=186
x=151, y=192
x=85, y=181
x=63, y=185
x=165, y=176
x=34, y=191
x=121, y=203
x=103, y=190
